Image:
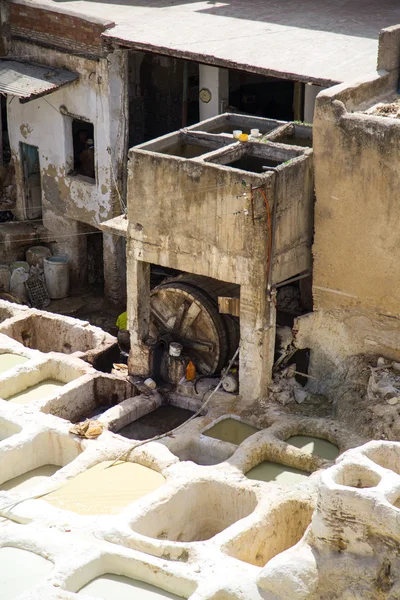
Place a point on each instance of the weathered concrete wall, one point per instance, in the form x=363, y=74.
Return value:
x=357, y=178
x=197, y=216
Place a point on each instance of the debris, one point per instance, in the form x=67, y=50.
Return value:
x=384, y=383
x=150, y=383
x=284, y=337
x=88, y=429
x=120, y=369
x=230, y=383
x=285, y=388
x=393, y=401
x=300, y=395
x=37, y=292
x=17, y=283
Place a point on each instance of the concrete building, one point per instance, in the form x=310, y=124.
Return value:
x=202, y=203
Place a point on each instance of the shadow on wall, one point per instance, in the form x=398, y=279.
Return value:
x=338, y=17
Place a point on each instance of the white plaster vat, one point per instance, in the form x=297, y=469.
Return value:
x=8, y=429
x=30, y=478
x=48, y=332
x=88, y=395
x=283, y=527
x=59, y=374
x=111, y=586
x=197, y=512
x=30, y=461
x=9, y=360
x=20, y=570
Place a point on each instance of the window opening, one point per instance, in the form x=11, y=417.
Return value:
x=83, y=145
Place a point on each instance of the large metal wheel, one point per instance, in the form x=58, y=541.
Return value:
x=184, y=314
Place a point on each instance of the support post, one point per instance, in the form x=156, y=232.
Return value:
x=114, y=268
x=257, y=339
x=310, y=94
x=138, y=315
x=215, y=81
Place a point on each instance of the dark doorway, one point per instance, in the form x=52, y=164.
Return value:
x=5, y=142
x=163, y=95
x=32, y=184
x=261, y=96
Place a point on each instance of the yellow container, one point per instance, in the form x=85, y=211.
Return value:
x=243, y=137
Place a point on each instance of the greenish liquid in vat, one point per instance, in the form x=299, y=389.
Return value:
x=231, y=430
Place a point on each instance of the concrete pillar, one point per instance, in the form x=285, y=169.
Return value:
x=114, y=257
x=216, y=81
x=138, y=282
x=310, y=94
x=257, y=339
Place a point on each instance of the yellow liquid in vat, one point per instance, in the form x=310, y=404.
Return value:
x=270, y=471
x=231, y=430
x=41, y=391
x=313, y=445
x=118, y=587
x=106, y=491
x=8, y=361
x=29, y=479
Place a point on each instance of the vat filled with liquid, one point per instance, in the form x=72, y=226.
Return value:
x=113, y=587
x=276, y=472
x=20, y=571
x=9, y=360
x=313, y=445
x=103, y=490
x=157, y=422
x=41, y=391
x=230, y=430
x=29, y=479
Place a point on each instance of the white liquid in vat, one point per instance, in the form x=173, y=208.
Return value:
x=270, y=471
x=29, y=479
x=106, y=491
x=8, y=361
x=313, y=445
x=118, y=587
x=20, y=570
x=41, y=391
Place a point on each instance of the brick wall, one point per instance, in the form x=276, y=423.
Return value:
x=57, y=28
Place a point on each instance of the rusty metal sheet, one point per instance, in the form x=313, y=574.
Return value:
x=29, y=81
